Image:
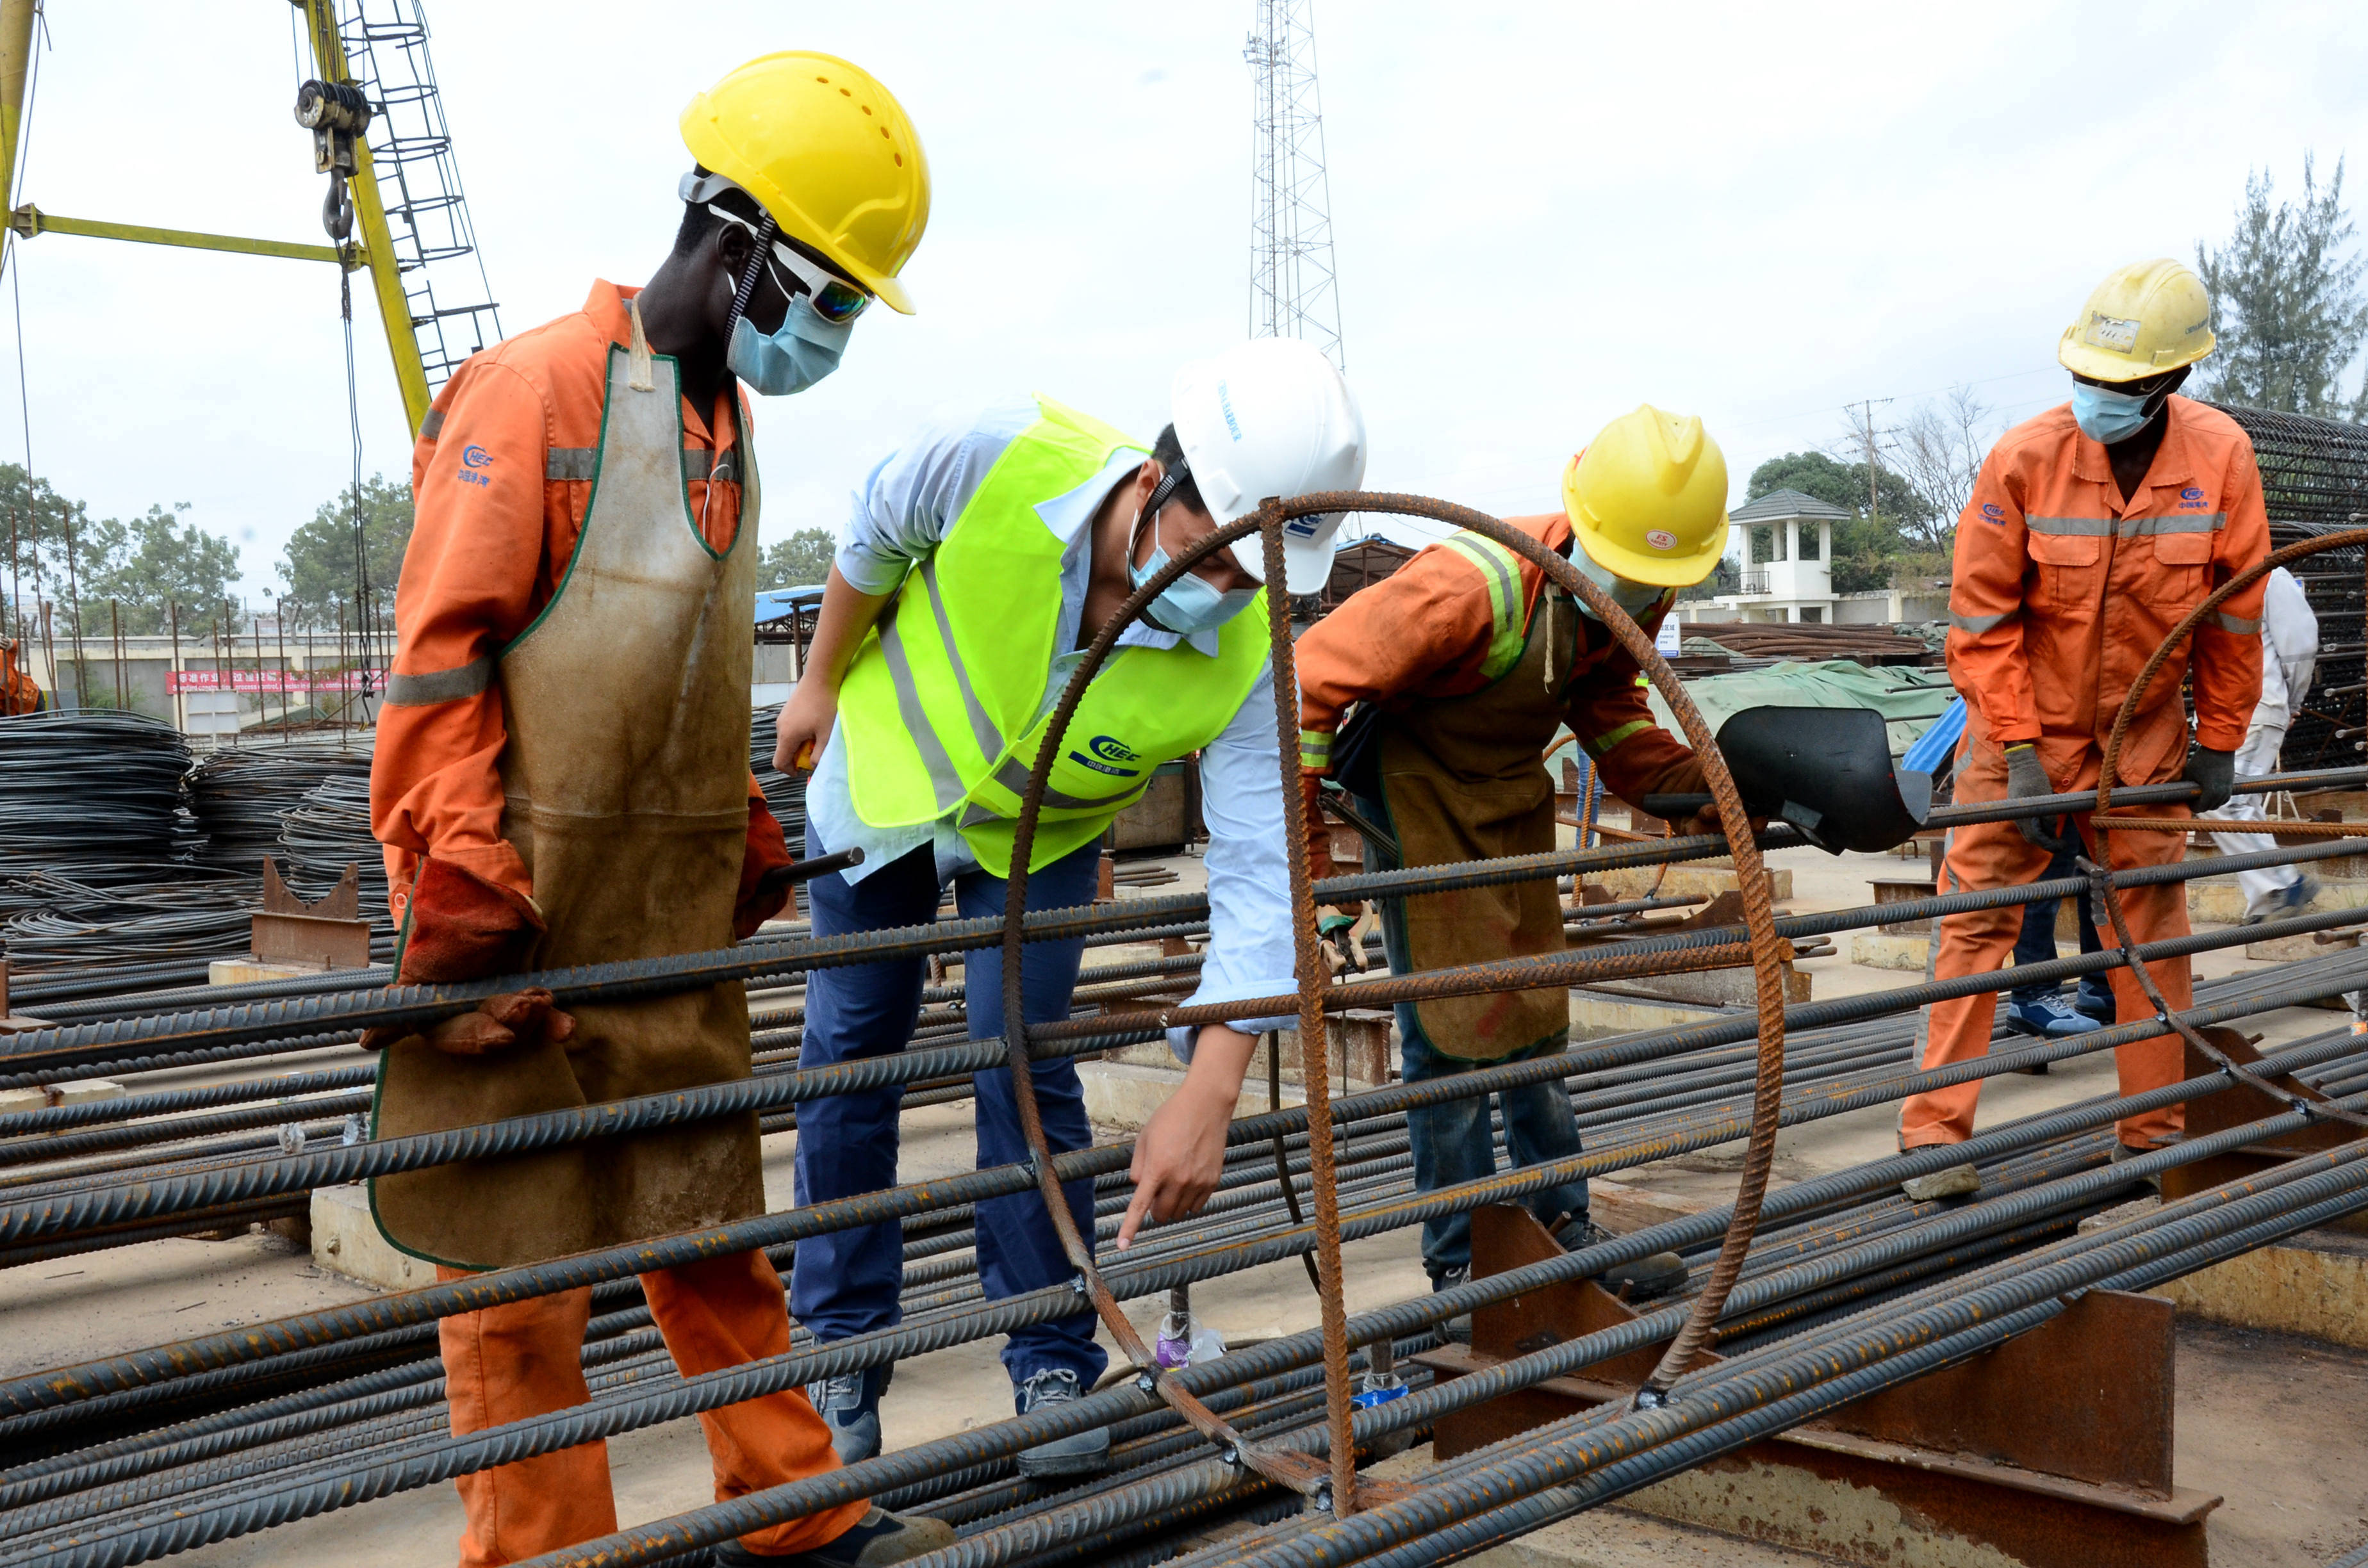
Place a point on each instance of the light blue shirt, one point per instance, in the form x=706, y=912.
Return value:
x=899, y=515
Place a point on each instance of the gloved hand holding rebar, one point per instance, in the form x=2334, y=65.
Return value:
x=2213, y=773
x=459, y=926
x=2026, y=779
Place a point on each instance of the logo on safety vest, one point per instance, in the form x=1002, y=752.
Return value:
x=1110, y=750
x=1661, y=538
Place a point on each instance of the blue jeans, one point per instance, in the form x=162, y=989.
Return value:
x=2037, y=943
x=845, y=1282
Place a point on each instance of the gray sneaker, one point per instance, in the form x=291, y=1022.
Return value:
x=850, y=1406
x=876, y=1540
x=1640, y=1280
x=1080, y=1453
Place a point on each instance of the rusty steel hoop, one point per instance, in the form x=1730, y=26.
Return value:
x=2099, y=879
x=1339, y=1486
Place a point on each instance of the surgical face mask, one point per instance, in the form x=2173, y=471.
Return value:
x=2110, y=417
x=1190, y=603
x=805, y=350
x=1639, y=599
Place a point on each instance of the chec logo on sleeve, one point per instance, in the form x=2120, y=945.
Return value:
x=1661, y=538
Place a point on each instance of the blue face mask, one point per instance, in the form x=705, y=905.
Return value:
x=1639, y=599
x=2107, y=415
x=1190, y=604
x=803, y=351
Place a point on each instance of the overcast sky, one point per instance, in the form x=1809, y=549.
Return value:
x=1545, y=215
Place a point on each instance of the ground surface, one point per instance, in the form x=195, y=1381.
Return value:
x=2280, y=1428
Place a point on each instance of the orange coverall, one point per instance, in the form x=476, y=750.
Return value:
x=501, y=477
x=2061, y=591
x=1426, y=632
x=18, y=692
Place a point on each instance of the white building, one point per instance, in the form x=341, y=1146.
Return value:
x=1795, y=583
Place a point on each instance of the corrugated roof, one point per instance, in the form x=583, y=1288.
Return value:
x=1778, y=504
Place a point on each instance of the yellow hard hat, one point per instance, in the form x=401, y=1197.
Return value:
x=1647, y=499
x=829, y=152
x=2144, y=319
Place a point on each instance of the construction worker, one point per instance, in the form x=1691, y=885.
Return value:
x=19, y=694
x=2092, y=531
x=1471, y=661
x=561, y=778
x=980, y=559
x=2289, y=655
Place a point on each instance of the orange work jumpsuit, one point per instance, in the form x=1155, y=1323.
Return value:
x=501, y=479
x=2061, y=591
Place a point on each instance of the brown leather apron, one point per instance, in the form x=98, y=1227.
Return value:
x=1462, y=780
x=626, y=779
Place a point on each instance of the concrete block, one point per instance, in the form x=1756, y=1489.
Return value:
x=2314, y=1284
x=2288, y=949
x=1876, y=950
x=1620, y=1207
x=1595, y=1015
x=1705, y=878
x=2218, y=901
x=245, y=972
x=15, y=1100
x=346, y=1241
x=1122, y=1095
x=1712, y=987
x=85, y=1092
x=1359, y=1040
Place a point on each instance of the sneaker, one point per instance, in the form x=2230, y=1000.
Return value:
x=850, y=1406
x=2095, y=1000
x=877, y=1540
x=1079, y=1453
x=2050, y=1017
x=1640, y=1280
x=1456, y=1330
x=2288, y=901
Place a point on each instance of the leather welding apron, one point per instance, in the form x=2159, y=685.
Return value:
x=1462, y=780
x=626, y=779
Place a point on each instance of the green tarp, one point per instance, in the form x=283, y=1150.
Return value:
x=1909, y=697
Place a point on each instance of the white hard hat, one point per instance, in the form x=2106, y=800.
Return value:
x=1270, y=417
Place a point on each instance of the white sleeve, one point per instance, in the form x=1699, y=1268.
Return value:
x=912, y=496
x=1250, y=946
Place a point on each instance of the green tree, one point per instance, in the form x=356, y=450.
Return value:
x=2287, y=302
x=1866, y=548
x=161, y=561
x=801, y=561
x=319, y=566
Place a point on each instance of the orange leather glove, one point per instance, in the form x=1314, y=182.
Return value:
x=464, y=927
x=768, y=851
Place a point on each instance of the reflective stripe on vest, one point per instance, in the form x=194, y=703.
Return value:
x=1500, y=569
x=944, y=707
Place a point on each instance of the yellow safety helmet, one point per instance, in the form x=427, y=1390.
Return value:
x=829, y=152
x=2144, y=319
x=1647, y=499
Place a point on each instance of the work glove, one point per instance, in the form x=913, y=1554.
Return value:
x=464, y=927
x=2214, y=773
x=1344, y=928
x=764, y=889
x=2025, y=779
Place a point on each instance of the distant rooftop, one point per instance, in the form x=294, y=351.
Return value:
x=1778, y=504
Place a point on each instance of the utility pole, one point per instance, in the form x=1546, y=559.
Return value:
x=1870, y=441
x=1292, y=292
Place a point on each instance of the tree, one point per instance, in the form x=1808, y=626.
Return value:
x=1865, y=548
x=43, y=525
x=1941, y=450
x=2286, y=303
x=319, y=567
x=160, y=562
x=801, y=561
x=1725, y=577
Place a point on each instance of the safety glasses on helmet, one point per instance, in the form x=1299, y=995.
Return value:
x=828, y=295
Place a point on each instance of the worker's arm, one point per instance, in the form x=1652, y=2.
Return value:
x=1984, y=645
x=899, y=518
x=2227, y=666
x=1429, y=620
x=1181, y=1152
x=1612, y=722
x=477, y=549
x=845, y=619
